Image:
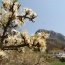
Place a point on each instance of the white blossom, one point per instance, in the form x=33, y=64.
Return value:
x=18, y=22
x=14, y=37
x=42, y=49
x=2, y=54
x=15, y=32
x=28, y=11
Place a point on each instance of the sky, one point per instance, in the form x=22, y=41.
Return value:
x=51, y=15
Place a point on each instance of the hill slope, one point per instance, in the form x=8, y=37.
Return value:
x=55, y=41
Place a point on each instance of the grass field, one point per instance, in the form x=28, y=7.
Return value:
x=58, y=63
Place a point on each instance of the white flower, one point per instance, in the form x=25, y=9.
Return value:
x=33, y=15
x=28, y=11
x=7, y=1
x=2, y=54
x=39, y=34
x=31, y=41
x=42, y=42
x=14, y=32
x=4, y=19
x=25, y=33
x=10, y=40
x=17, y=22
x=45, y=35
x=15, y=14
x=17, y=40
x=42, y=49
x=28, y=40
x=4, y=1
x=15, y=8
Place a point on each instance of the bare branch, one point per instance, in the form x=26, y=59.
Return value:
x=30, y=19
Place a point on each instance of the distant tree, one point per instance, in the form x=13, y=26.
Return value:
x=10, y=20
x=62, y=47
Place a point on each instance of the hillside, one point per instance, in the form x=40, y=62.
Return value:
x=55, y=40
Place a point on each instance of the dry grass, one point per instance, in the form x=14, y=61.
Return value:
x=28, y=58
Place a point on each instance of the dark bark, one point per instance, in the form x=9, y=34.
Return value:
x=14, y=47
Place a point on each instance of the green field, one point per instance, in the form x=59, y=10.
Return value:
x=58, y=63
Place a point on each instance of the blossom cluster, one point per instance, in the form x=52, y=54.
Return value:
x=34, y=41
x=2, y=55
x=11, y=9
x=10, y=19
x=40, y=39
x=30, y=13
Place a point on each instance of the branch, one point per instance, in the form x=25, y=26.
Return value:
x=20, y=18
x=14, y=47
x=6, y=27
x=5, y=30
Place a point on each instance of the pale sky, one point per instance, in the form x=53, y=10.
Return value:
x=51, y=15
